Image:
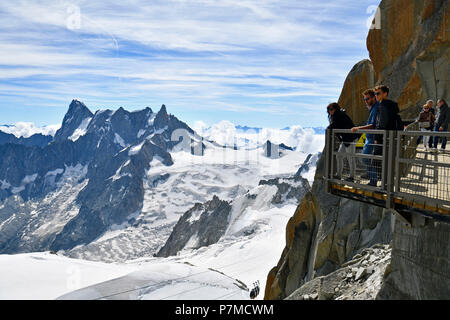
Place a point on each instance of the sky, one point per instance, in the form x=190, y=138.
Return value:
x=261, y=63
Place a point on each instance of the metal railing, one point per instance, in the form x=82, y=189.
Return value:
x=400, y=174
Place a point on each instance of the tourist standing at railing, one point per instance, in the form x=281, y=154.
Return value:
x=426, y=123
x=340, y=120
x=372, y=104
x=387, y=119
x=441, y=124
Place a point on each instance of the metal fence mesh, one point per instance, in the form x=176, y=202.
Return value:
x=402, y=167
x=351, y=164
x=424, y=172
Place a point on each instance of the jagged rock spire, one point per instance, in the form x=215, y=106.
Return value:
x=76, y=114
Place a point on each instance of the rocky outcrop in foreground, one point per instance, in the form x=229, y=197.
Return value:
x=420, y=262
x=358, y=279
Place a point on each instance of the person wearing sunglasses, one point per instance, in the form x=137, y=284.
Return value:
x=340, y=120
x=372, y=105
x=388, y=118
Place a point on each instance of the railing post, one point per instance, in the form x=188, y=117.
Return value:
x=331, y=154
x=397, y=163
x=390, y=175
x=384, y=161
x=327, y=159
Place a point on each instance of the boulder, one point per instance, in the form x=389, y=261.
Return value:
x=360, y=78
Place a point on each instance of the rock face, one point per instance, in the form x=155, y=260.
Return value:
x=287, y=188
x=410, y=54
x=201, y=226
x=275, y=151
x=360, y=78
x=420, y=263
x=309, y=163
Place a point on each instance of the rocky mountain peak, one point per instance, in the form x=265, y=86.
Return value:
x=75, y=116
x=77, y=105
x=162, y=118
x=163, y=110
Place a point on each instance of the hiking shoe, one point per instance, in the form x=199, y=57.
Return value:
x=350, y=179
x=365, y=176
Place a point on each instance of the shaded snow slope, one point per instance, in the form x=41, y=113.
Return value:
x=166, y=280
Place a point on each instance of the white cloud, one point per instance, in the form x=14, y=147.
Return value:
x=225, y=133
x=27, y=129
x=217, y=52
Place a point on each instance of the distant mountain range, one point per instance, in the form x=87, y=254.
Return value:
x=317, y=130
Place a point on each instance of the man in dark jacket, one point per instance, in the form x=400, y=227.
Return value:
x=387, y=111
x=340, y=120
x=441, y=124
x=386, y=120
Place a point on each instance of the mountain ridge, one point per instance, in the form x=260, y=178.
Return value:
x=101, y=145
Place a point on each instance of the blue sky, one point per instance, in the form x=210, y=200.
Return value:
x=261, y=63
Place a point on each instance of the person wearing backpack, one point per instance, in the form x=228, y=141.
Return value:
x=388, y=118
x=340, y=120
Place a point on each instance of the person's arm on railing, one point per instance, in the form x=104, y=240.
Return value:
x=366, y=127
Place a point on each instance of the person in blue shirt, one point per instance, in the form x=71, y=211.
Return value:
x=372, y=104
